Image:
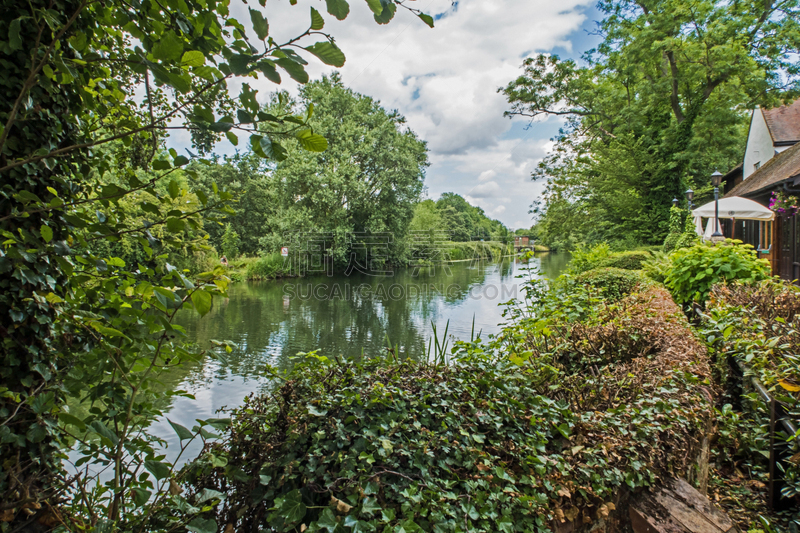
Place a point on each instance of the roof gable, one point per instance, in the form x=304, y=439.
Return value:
x=784, y=123
x=782, y=167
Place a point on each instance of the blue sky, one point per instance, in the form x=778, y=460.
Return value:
x=445, y=80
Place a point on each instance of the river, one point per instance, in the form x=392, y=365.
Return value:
x=346, y=316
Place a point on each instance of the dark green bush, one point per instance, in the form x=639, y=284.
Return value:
x=269, y=266
x=615, y=283
x=627, y=260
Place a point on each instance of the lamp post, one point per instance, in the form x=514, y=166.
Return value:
x=689, y=196
x=716, y=179
x=675, y=202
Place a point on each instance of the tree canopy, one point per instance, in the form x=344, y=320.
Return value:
x=657, y=107
x=89, y=93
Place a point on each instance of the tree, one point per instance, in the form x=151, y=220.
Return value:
x=230, y=242
x=91, y=326
x=366, y=182
x=658, y=106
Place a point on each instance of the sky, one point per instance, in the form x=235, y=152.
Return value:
x=444, y=81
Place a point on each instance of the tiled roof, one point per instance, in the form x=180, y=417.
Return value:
x=784, y=123
x=783, y=166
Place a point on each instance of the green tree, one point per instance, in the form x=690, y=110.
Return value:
x=230, y=242
x=657, y=106
x=91, y=326
x=367, y=181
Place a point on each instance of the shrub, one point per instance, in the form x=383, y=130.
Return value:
x=269, y=266
x=657, y=267
x=230, y=242
x=584, y=258
x=693, y=271
x=614, y=282
x=626, y=260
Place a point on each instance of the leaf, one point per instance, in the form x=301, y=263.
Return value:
x=427, y=19
x=791, y=387
x=268, y=69
x=208, y=494
x=202, y=525
x=157, y=468
x=47, y=233
x=317, y=22
x=175, y=225
x=104, y=432
x=312, y=141
x=370, y=506
x=328, y=53
x=193, y=58
x=260, y=24
x=295, y=70
x=180, y=160
x=202, y=300
x=387, y=15
x=293, y=509
x=312, y=410
x=328, y=521
x=338, y=8
x=182, y=431
x=14, y=40
x=218, y=423
x=174, y=189
x=72, y=420
x=169, y=48
x=376, y=6
x=234, y=140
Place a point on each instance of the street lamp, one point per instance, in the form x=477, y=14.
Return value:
x=716, y=179
x=689, y=196
x=675, y=202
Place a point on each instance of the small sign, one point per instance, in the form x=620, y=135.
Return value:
x=285, y=251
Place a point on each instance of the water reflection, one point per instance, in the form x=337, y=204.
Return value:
x=344, y=316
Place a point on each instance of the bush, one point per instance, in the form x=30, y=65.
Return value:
x=657, y=267
x=584, y=258
x=230, y=243
x=693, y=271
x=269, y=266
x=615, y=283
x=626, y=260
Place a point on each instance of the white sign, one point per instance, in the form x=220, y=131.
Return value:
x=285, y=251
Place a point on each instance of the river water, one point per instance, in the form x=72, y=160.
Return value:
x=346, y=316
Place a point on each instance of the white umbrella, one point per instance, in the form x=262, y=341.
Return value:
x=735, y=207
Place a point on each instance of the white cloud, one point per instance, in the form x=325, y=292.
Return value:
x=445, y=80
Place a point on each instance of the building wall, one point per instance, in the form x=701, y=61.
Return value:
x=759, y=144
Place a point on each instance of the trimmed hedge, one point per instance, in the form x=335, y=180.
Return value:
x=615, y=283
x=627, y=260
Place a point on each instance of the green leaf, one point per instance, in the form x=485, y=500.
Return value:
x=202, y=525
x=175, y=225
x=193, y=58
x=104, y=432
x=370, y=506
x=387, y=14
x=338, y=8
x=312, y=141
x=202, y=300
x=329, y=53
x=317, y=22
x=72, y=420
x=376, y=6
x=157, y=468
x=328, y=521
x=312, y=410
x=295, y=70
x=161, y=164
x=427, y=19
x=180, y=161
x=260, y=24
x=293, y=509
x=174, y=189
x=14, y=40
x=218, y=423
x=182, y=432
x=232, y=138
x=169, y=48
x=268, y=69
x=47, y=233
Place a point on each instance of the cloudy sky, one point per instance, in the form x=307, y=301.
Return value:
x=445, y=81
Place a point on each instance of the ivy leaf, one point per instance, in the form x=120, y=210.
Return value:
x=338, y=8
x=328, y=521
x=182, y=432
x=293, y=509
x=202, y=300
x=47, y=233
x=260, y=24
x=328, y=53
x=370, y=506
x=317, y=22
x=312, y=141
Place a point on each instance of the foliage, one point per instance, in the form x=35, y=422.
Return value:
x=230, y=242
x=693, y=271
x=783, y=204
x=631, y=260
x=88, y=93
x=615, y=283
x=657, y=267
x=652, y=110
x=268, y=266
x=585, y=258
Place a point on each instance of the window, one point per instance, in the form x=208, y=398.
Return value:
x=757, y=165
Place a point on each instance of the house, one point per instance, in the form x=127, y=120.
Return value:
x=521, y=241
x=771, y=164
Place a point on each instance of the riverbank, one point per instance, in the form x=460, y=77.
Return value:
x=275, y=266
